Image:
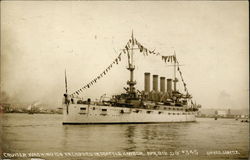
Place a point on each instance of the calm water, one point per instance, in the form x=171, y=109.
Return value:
x=23, y=133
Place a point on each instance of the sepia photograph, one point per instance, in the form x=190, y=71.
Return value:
x=124, y=80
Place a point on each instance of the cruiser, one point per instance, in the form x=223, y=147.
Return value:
x=133, y=106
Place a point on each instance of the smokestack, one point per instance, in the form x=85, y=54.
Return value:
x=162, y=84
x=155, y=83
x=147, y=82
x=169, y=86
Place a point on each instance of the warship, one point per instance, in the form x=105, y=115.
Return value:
x=134, y=106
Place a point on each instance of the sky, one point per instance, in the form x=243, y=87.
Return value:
x=39, y=40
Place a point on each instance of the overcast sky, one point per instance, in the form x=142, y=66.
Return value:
x=40, y=39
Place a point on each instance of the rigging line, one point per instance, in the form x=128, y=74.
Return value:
x=99, y=74
x=176, y=61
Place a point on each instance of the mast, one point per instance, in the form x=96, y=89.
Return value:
x=131, y=68
x=175, y=78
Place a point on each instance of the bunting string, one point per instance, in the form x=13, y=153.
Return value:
x=182, y=79
x=171, y=58
x=142, y=49
x=95, y=80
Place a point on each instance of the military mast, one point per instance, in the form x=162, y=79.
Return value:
x=175, y=78
x=131, y=68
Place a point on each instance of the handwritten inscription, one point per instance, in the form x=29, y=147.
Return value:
x=39, y=156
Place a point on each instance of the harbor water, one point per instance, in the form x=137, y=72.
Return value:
x=44, y=136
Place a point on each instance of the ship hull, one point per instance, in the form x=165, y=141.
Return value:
x=96, y=114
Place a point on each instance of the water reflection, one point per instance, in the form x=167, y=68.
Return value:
x=130, y=134
x=45, y=133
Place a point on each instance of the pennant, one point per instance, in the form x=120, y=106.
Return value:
x=127, y=50
x=153, y=50
x=88, y=85
x=141, y=48
x=126, y=47
x=174, y=59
